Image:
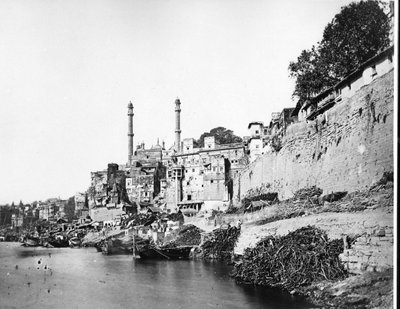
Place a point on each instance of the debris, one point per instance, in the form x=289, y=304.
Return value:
x=334, y=196
x=187, y=235
x=220, y=243
x=292, y=261
x=306, y=193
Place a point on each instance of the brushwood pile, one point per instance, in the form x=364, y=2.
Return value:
x=220, y=243
x=307, y=193
x=290, y=262
x=187, y=235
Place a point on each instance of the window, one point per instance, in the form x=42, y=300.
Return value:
x=193, y=170
x=211, y=181
x=189, y=197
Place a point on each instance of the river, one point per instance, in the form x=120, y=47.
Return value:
x=83, y=278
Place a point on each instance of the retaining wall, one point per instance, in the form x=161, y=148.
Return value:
x=346, y=149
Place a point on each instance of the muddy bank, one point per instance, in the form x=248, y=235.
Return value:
x=368, y=290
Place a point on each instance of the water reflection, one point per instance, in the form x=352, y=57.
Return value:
x=84, y=278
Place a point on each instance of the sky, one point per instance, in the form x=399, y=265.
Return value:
x=70, y=68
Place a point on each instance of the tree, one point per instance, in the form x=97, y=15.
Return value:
x=310, y=74
x=222, y=136
x=356, y=34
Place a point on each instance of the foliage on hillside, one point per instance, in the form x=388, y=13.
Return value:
x=357, y=33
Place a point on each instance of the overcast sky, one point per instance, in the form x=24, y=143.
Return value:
x=68, y=70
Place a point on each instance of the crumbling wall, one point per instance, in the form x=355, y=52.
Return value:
x=346, y=149
x=372, y=251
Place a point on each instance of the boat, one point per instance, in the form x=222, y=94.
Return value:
x=147, y=250
x=74, y=242
x=58, y=242
x=30, y=241
x=116, y=246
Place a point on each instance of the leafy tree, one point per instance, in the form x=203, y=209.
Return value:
x=310, y=74
x=222, y=136
x=356, y=34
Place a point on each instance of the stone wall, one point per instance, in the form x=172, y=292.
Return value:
x=373, y=251
x=346, y=149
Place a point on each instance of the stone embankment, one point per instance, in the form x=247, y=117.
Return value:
x=347, y=148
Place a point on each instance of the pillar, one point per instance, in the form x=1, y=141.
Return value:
x=177, y=125
x=130, y=131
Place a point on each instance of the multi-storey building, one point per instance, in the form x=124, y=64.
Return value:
x=204, y=174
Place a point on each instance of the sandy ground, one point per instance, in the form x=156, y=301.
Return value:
x=335, y=224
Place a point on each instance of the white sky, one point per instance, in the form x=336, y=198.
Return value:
x=68, y=69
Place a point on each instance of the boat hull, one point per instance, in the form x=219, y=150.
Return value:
x=152, y=252
x=115, y=247
x=74, y=242
x=31, y=242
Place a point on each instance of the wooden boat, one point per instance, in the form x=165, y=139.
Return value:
x=74, y=242
x=151, y=251
x=58, y=242
x=30, y=241
x=116, y=246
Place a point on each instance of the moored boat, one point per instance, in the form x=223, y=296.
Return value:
x=151, y=251
x=58, y=242
x=74, y=242
x=30, y=241
x=116, y=246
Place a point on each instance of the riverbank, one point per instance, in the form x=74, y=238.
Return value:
x=363, y=221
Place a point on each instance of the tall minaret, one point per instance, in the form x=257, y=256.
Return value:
x=178, y=125
x=130, y=131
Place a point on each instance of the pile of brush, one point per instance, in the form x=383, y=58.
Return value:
x=220, y=243
x=187, y=235
x=292, y=261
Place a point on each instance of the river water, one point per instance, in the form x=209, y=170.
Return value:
x=83, y=278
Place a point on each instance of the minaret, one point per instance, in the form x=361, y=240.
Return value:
x=177, y=125
x=130, y=131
